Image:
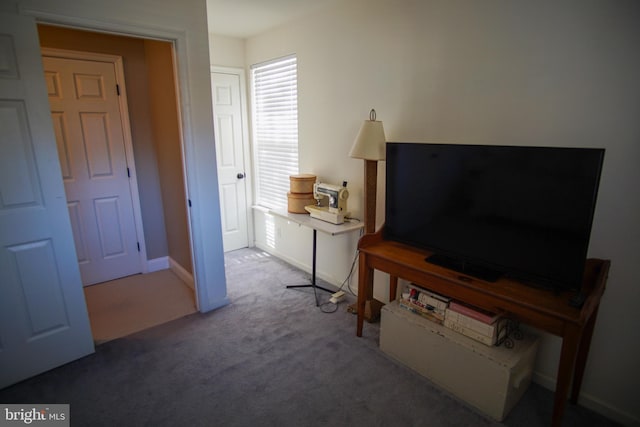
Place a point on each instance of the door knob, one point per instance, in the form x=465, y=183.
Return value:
x=240, y=175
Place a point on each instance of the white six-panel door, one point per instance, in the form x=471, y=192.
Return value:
x=84, y=103
x=43, y=315
x=232, y=175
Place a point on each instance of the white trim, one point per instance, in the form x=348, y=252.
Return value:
x=273, y=61
x=108, y=27
x=157, y=264
x=246, y=144
x=183, y=274
x=184, y=124
x=117, y=62
x=300, y=265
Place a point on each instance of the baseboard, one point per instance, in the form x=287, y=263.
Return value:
x=183, y=274
x=157, y=264
x=591, y=402
x=298, y=264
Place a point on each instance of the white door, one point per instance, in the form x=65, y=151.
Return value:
x=83, y=97
x=43, y=315
x=229, y=139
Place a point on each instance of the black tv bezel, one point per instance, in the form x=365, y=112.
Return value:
x=489, y=270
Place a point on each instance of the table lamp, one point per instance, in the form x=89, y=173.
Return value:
x=370, y=146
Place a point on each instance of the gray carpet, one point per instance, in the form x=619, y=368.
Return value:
x=270, y=358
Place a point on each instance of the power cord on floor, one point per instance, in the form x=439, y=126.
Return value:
x=346, y=281
x=333, y=307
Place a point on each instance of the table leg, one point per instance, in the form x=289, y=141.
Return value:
x=313, y=271
x=581, y=359
x=570, y=342
x=313, y=258
x=365, y=288
x=393, y=287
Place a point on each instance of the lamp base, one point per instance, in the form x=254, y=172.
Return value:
x=370, y=189
x=371, y=310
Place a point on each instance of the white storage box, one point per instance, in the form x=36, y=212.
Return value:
x=492, y=379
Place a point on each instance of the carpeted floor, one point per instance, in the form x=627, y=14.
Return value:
x=131, y=304
x=270, y=358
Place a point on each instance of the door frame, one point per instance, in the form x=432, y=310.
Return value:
x=246, y=146
x=117, y=62
x=204, y=216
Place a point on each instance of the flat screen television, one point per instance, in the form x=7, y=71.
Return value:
x=488, y=211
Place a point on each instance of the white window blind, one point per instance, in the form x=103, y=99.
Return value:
x=275, y=129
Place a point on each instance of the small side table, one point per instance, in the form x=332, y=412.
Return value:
x=317, y=225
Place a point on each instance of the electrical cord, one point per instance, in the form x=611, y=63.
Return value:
x=328, y=304
x=353, y=263
x=346, y=281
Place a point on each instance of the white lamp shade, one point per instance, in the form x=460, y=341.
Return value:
x=370, y=142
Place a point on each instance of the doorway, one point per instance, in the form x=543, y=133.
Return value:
x=233, y=155
x=121, y=307
x=149, y=70
x=87, y=97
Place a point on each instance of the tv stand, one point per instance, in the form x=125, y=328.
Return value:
x=474, y=270
x=543, y=309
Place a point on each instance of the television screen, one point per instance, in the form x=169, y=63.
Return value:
x=489, y=211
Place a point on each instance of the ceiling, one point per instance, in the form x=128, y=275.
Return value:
x=246, y=18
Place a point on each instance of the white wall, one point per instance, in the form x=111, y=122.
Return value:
x=185, y=23
x=461, y=71
x=226, y=51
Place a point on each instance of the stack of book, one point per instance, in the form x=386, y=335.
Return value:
x=480, y=325
x=427, y=304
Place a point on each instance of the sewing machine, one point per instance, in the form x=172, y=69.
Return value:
x=332, y=202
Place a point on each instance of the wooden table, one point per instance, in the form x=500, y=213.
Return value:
x=543, y=309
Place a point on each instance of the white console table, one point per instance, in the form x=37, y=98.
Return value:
x=317, y=225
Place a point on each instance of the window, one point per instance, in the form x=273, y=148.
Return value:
x=275, y=129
